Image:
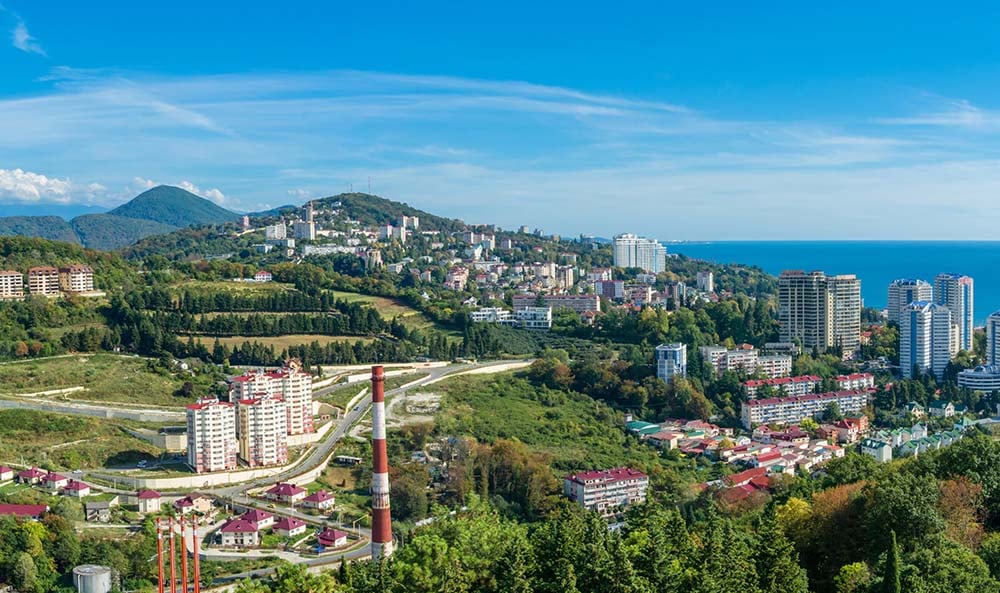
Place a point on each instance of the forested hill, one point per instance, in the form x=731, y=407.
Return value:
x=374, y=210
x=108, y=232
x=175, y=207
x=45, y=227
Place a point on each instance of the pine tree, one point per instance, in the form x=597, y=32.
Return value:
x=890, y=573
x=778, y=569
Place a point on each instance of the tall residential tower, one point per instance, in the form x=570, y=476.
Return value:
x=820, y=311
x=925, y=339
x=633, y=251
x=955, y=292
x=904, y=291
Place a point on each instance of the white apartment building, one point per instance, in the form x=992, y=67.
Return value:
x=288, y=383
x=671, y=360
x=801, y=385
x=606, y=491
x=409, y=222
x=76, y=278
x=262, y=431
x=855, y=381
x=43, y=280
x=276, y=231
x=706, y=281
x=632, y=251
x=304, y=229
x=535, y=318
x=492, y=315
x=580, y=303
x=993, y=339
x=211, y=436
x=599, y=275
x=11, y=284
x=925, y=339
x=746, y=360
x=791, y=410
x=955, y=291
x=845, y=313
x=904, y=291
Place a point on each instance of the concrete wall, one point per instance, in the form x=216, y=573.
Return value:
x=157, y=416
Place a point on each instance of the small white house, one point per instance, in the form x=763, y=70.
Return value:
x=289, y=527
x=238, y=533
x=880, y=450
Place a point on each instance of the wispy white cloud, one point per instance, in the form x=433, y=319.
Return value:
x=24, y=41
x=954, y=113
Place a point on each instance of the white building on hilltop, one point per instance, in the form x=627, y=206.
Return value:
x=633, y=251
x=211, y=436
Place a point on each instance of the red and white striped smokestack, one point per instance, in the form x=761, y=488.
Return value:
x=381, y=523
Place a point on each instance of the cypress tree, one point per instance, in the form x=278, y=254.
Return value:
x=890, y=576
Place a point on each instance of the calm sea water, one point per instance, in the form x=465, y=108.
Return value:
x=876, y=263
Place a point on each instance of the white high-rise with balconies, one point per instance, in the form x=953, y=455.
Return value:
x=820, y=311
x=633, y=251
x=211, y=436
x=925, y=339
x=955, y=291
x=904, y=291
x=262, y=431
x=288, y=383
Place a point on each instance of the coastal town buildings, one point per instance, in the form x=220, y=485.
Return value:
x=993, y=338
x=746, y=360
x=43, y=280
x=606, y=491
x=955, y=291
x=76, y=279
x=289, y=383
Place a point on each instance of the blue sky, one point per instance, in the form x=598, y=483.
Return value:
x=723, y=121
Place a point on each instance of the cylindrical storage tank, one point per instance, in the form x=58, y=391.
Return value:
x=91, y=578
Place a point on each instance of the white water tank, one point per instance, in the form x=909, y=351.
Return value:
x=91, y=578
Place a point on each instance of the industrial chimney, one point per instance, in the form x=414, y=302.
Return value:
x=381, y=523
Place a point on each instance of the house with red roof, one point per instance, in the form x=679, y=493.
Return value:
x=332, y=538
x=54, y=481
x=239, y=533
x=262, y=276
x=320, y=500
x=199, y=503
x=24, y=511
x=76, y=489
x=31, y=476
x=262, y=519
x=286, y=493
x=289, y=527
x=149, y=501
x=6, y=473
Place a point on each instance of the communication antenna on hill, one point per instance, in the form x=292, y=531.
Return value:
x=350, y=188
x=369, y=185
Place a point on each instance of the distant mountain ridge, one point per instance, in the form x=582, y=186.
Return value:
x=160, y=210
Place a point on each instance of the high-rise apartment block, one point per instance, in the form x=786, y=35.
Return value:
x=290, y=384
x=706, y=281
x=904, y=291
x=76, y=278
x=993, y=339
x=276, y=231
x=262, y=431
x=955, y=291
x=211, y=435
x=11, y=284
x=671, y=361
x=632, y=251
x=43, y=280
x=820, y=311
x=409, y=222
x=926, y=340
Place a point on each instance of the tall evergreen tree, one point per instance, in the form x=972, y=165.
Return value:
x=890, y=573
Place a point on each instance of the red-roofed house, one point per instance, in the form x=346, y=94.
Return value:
x=55, y=481
x=262, y=276
x=289, y=527
x=31, y=476
x=76, y=489
x=286, y=493
x=24, y=511
x=744, y=477
x=262, y=519
x=606, y=490
x=766, y=459
x=332, y=538
x=239, y=533
x=320, y=500
x=6, y=473
x=149, y=501
x=193, y=502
